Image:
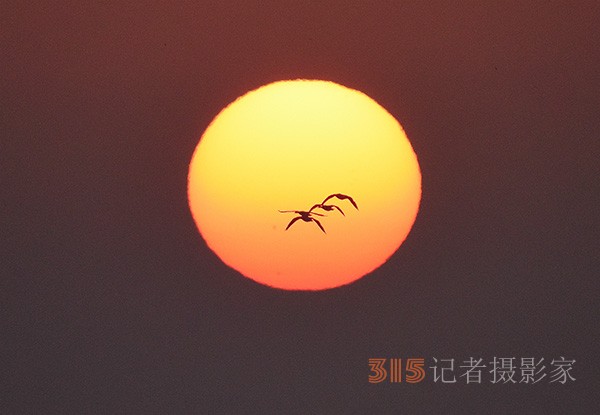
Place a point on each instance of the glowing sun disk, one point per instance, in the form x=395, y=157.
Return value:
x=286, y=146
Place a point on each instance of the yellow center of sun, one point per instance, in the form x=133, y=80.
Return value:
x=287, y=146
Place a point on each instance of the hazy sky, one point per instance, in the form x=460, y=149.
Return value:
x=110, y=302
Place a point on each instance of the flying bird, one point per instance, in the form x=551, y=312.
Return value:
x=341, y=197
x=306, y=216
x=326, y=208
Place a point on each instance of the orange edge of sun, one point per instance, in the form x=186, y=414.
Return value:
x=287, y=146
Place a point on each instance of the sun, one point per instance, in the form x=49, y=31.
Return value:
x=288, y=146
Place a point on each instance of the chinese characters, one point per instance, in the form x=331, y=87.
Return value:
x=473, y=370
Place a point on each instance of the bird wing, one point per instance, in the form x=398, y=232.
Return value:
x=292, y=222
x=338, y=208
x=352, y=201
x=319, y=224
x=341, y=197
x=327, y=198
x=288, y=211
x=314, y=207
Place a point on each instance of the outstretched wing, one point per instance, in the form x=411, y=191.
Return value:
x=319, y=224
x=292, y=222
x=352, y=201
x=327, y=198
x=338, y=208
x=288, y=211
x=341, y=197
x=315, y=207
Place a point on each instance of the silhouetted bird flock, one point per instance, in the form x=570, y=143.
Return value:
x=307, y=215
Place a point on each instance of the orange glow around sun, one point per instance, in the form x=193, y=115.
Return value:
x=287, y=146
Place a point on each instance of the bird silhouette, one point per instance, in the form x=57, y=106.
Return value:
x=326, y=208
x=341, y=197
x=306, y=216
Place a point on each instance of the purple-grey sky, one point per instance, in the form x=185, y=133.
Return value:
x=110, y=302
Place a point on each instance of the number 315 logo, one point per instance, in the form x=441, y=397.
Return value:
x=413, y=371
